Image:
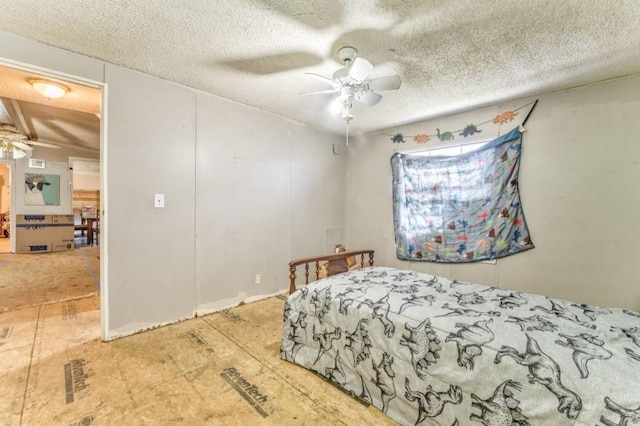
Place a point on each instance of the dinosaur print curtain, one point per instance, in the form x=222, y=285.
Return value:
x=464, y=208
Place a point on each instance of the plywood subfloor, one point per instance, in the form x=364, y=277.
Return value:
x=220, y=369
x=33, y=279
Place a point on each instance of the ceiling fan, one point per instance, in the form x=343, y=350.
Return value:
x=15, y=144
x=351, y=83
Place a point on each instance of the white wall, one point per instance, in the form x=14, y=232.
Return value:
x=150, y=149
x=86, y=181
x=239, y=185
x=579, y=186
x=266, y=188
x=61, y=154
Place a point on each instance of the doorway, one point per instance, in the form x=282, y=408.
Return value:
x=49, y=133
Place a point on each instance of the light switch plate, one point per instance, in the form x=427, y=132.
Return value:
x=158, y=201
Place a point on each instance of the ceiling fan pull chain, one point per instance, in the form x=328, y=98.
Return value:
x=347, y=134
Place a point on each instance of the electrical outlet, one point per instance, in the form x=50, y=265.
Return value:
x=257, y=280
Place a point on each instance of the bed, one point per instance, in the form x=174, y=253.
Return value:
x=430, y=350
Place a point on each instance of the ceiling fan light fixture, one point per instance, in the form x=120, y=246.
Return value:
x=49, y=89
x=336, y=106
x=11, y=151
x=18, y=153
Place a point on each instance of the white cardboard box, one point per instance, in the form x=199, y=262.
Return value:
x=44, y=233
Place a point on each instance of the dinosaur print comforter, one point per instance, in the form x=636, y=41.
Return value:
x=429, y=350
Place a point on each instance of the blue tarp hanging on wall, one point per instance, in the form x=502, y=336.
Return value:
x=460, y=209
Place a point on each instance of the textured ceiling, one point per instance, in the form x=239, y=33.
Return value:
x=452, y=55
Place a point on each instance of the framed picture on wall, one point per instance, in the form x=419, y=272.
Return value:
x=41, y=189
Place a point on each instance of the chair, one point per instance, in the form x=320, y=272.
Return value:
x=96, y=232
x=82, y=227
x=79, y=223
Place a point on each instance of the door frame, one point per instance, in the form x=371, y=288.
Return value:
x=104, y=220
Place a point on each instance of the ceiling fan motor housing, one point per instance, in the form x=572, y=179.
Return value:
x=347, y=54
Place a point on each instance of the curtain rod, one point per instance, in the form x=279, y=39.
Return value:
x=433, y=148
x=529, y=114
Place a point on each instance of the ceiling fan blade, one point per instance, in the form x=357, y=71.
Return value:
x=319, y=92
x=44, y=144
x=324, y=79
x=7, y=133
x=22, y=146
x=392, y=82
x=368, y=98
x=360, y=69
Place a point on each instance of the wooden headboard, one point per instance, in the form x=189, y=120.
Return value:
x=336, y=263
